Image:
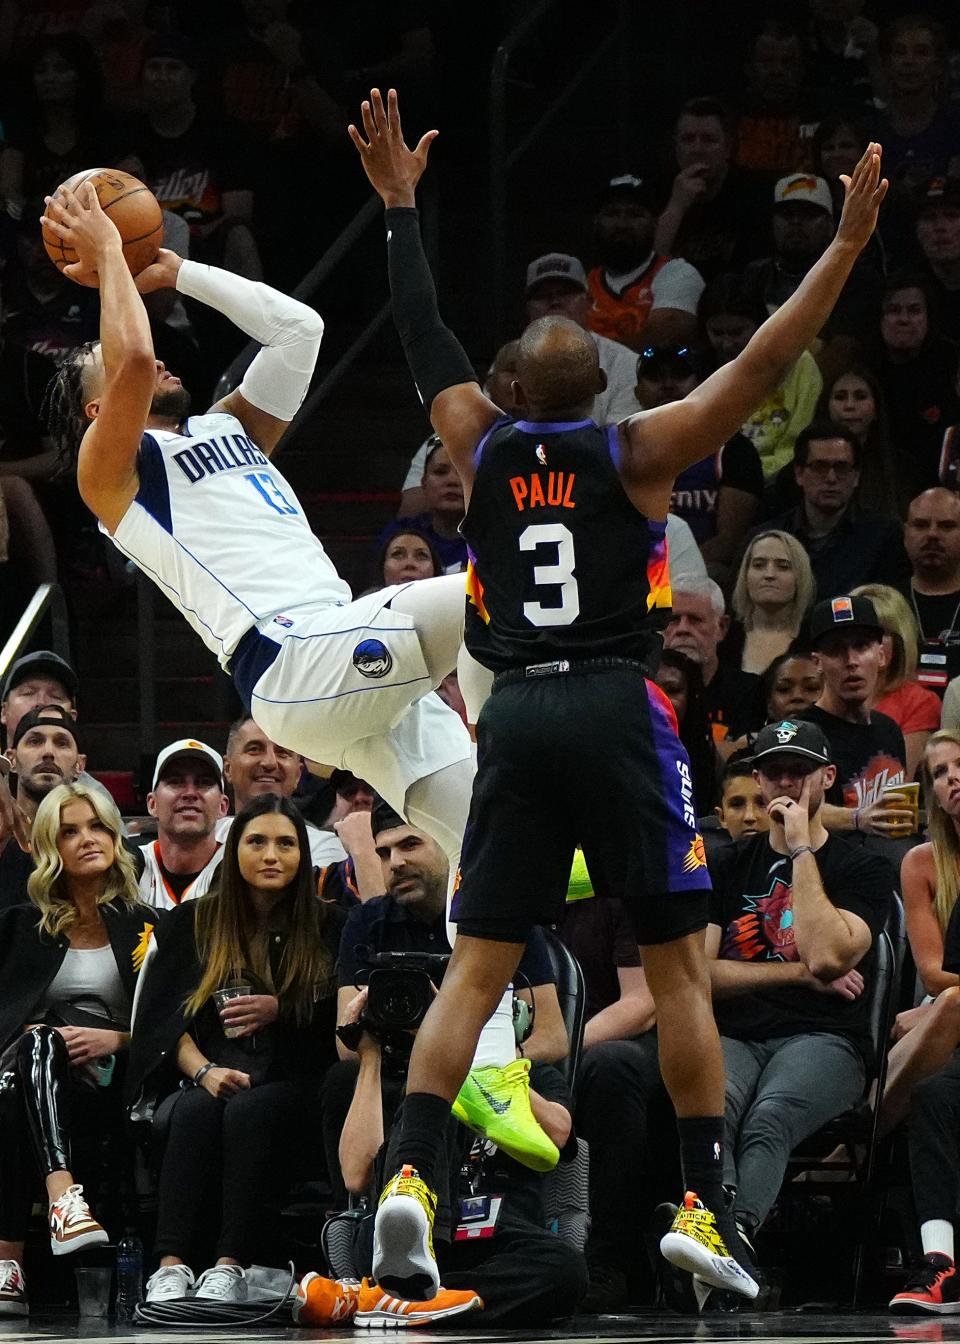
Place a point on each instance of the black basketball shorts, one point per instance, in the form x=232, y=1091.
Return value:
x=586, y=757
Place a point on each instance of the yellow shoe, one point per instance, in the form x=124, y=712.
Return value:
x=403, y=1260
x=495, y=1102
x=694, y=1243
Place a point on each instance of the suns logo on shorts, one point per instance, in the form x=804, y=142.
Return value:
x=372, y=658
x=696, y=855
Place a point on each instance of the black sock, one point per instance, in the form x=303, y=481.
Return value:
x=425, y=1119
x=701, y=1157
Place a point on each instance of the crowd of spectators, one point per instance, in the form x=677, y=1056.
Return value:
x=812, y=657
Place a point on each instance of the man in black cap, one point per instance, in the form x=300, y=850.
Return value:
x=794, y=915
x=38, y=678
x=938, y=233
x=45, y=752
x=639, y=298
x=867, y=748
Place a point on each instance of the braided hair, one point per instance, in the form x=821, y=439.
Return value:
x=62, y=411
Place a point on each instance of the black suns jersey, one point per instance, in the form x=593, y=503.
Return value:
x=562, y=565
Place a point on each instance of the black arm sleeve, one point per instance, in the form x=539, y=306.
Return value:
x=436, y=358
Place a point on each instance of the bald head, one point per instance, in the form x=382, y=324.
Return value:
x=558, y=366
x=932, y=539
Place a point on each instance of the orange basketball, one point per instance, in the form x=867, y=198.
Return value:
x=133, y=208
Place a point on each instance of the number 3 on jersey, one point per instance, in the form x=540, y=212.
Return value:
x=559, y=574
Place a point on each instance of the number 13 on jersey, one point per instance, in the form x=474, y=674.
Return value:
x=560, y=574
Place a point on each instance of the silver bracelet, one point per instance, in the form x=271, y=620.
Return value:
x=201, y=1073
x=801, y=849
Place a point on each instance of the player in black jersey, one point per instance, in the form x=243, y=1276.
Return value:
x=567, y=584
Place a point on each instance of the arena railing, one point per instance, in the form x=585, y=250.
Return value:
x=47, y=600
x=507, y=152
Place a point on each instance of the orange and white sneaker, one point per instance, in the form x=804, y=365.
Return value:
x=72, y=1226
x=377, y=1310
x=321, y=1301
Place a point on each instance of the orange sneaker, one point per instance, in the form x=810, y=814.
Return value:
x=377, y=1310
x=321, y=1301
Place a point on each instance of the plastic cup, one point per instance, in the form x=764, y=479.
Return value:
x=910, y=799
x=93, y=1291
x=222, y=997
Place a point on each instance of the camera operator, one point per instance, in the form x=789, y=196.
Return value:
x=524, y=1274
x=410, y=918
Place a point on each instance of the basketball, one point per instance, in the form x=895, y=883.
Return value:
x=133, y=208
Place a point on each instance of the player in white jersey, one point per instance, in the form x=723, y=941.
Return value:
x=197, y=504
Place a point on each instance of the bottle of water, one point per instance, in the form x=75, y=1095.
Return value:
x=129, y=1276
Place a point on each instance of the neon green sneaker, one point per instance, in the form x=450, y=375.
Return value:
x=403, y=1260
x=495, y=1102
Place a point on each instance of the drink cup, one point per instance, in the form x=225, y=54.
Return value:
x=222, y=997
x=93, y=1291
x=909, y=799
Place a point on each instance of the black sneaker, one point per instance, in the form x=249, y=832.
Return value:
x=933, y=1287
x=606, y=1291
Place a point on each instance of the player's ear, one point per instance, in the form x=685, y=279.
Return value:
x=602, y=380
x=519, y=396
x=91, y=409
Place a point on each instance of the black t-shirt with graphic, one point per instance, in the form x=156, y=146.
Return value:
x=752, y=903
x=868, y=756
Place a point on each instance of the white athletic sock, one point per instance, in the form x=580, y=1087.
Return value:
x=438, y=805
x=937, y=1235
x=498, y=1042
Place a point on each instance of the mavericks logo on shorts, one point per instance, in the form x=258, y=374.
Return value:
x=372, y=658
x=696, y=855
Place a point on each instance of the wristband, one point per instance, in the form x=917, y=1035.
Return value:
x=800, y=849
x=203, y=1070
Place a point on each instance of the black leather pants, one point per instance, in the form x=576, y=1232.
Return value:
x=34, y=1122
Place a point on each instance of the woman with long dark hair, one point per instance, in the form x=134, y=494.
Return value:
x=68, y=964
x=236, y=1026
x=681, y=681
x=854, y=399
x=62, y=131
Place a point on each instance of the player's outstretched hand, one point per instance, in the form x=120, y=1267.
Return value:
x=77, y=218
x=864, y=190
x=160, y=274
x=393, y=169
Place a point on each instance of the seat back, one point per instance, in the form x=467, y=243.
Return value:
x=571, y=993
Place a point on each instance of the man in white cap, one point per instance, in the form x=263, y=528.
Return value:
x=187, y=799
x=802, y=227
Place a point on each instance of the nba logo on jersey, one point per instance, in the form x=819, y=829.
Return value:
x=372, y=658
x=541, y=454
x=285, y=621
x=842, y=609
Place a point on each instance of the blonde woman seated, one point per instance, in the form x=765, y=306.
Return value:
x=913, y=707
x=924, y=1065
x=68, y=965
x=773, y=592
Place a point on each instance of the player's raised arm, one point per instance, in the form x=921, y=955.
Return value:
x=278, y=379
x=443, y=375
x=662, y=442
x=119, y=393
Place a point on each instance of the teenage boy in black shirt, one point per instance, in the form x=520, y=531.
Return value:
x=866, y=748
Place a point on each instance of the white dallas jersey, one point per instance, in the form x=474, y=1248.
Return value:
x=220, y=531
